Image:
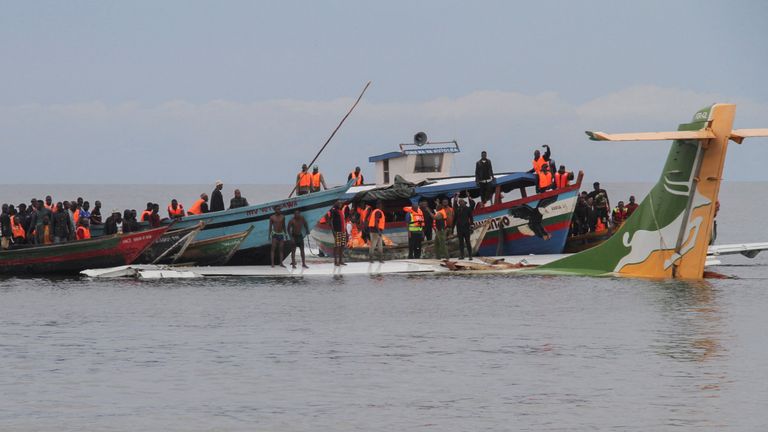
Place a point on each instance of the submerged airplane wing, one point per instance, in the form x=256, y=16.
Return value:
x=749, y=250
x=652, y=136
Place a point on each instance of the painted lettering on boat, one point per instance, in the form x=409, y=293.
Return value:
x=270, y=209
x=134, y=239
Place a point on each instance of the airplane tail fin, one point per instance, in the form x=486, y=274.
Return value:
x=668, y=234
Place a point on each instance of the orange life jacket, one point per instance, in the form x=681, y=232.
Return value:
x=145, y=215
x=83, y=233
x=316, y=180
x=561, y=180
x=17, y=230
x=417, y=219
x=358, y=178
x=600, y=226
x=545, y=179
x=196, y=207
x=372, y=221
x=445, y=218
x=538, y=163
x=305, y=179
x=179, y=212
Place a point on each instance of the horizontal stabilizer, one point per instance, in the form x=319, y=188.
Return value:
x=738, y=135
x=749, y=250
x=652, y=136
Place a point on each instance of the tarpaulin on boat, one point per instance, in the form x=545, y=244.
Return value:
x=399, y=189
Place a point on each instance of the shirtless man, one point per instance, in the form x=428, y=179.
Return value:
x=277, y=235
x=297, y=228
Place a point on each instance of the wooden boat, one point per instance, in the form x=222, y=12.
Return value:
x=171, y=243
x=398, y=252
x=522, y=222
x=212, y=251
x=255, y=248
x=589, y=240
x=75, y=256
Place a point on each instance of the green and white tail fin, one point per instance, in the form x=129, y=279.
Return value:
x=668, y=234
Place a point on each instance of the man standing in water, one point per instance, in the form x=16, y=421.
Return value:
x=277, y=235
x=297, y=227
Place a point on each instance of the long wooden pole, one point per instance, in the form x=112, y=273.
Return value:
x=334, y=132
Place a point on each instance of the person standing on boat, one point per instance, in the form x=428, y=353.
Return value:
x=96, y=213
x=277, y=235
x=339, y=229
x=619, y=214
x=544, y=179
x=631, y=206
x=317, y=180
x=217, y=200
x=85, y=211
x=60, y=225
x=415, y=221
x=562, y=177
x=297, y=229
x=129, y=222
x=464, y=222
x=175, y=210
x=376, y=225
x=484, y=177
x=200, y=206
x=5, y=228
x=303, y=181
x=429, y=219
x=36, y=223
x=600, y=207
x=238, y=201
x=540, y=160
x=357, y=176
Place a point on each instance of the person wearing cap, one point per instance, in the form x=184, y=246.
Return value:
x=217, y=201
x=114, y=223
x=303, y=181
x=317, y=180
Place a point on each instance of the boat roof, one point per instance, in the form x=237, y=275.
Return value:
x=445, y=185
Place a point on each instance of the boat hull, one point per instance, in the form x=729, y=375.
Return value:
x=215, y=251
x=254, y=249
x=73, y=257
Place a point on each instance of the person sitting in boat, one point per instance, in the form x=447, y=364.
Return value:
x=619, y=214
x=631, y=206
x=357, y=176
x=83, y=231
x=154, y=218
x=303, y=181
x=200, y=206
x=238, y=201
x=175, y=210
x=145, y=214
x=544, y=179
x=317, y=180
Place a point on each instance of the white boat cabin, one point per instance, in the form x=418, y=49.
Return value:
x=416, y=162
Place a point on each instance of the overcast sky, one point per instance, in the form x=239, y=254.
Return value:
x=191, y=91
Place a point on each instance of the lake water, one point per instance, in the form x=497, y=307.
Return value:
x=440, y=353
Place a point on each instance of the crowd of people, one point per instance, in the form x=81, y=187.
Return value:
x=310, y=182
x=593, y=212
x=44, y=222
